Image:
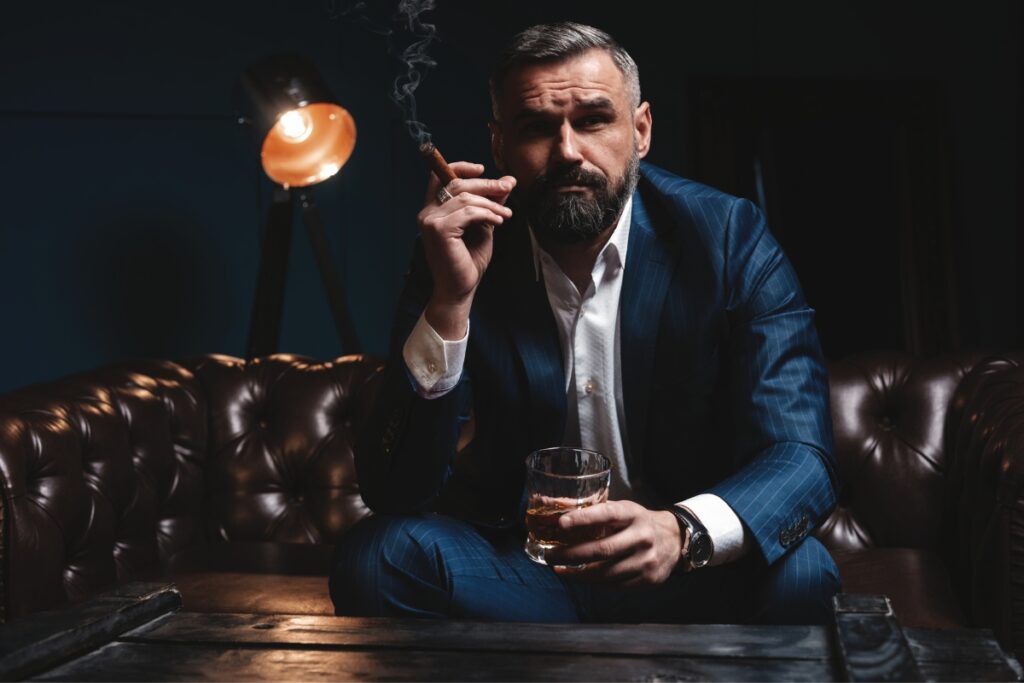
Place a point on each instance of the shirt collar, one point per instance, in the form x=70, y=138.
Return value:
x=613, y=250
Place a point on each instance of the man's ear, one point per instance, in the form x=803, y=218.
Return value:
x=642, y=123
x=496, y=146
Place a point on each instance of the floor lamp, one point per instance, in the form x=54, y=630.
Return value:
x=305, y=137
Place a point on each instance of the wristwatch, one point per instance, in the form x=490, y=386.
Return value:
x=700, y=548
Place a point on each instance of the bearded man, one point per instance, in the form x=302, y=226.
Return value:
x=588, y=299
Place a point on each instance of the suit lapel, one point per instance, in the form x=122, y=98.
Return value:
x=532, y=328
x=650, y=260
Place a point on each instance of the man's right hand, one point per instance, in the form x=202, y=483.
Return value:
x=458, y=238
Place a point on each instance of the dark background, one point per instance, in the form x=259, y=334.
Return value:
x=132, y=202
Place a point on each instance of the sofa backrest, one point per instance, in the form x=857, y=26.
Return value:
x=889, y=413
x=124, y=467
x=102, y=476
x=280, y=464
x=119, y=470
x=985, y=441
x=281, y=431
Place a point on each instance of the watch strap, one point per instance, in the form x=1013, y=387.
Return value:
x=688, y=523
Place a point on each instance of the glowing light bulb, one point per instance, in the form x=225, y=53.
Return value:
x=295, y=125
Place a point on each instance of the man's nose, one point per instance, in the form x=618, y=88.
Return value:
x=568, y=149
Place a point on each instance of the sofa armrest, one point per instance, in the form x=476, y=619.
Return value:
x=101, y=476
x=985, y=441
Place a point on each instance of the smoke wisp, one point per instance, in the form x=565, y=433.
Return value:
x=416, y=61
x=407, y=28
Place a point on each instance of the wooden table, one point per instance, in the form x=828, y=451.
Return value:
x=137, y=633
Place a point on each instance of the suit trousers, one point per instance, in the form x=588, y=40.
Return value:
x=439, y=567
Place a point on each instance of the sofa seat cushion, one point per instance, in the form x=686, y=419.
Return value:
x=916, y=581
x=254, y=577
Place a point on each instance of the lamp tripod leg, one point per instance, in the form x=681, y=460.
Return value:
x=336, y=294
x=265, y=326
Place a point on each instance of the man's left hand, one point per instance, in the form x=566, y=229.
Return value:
x=640, y=547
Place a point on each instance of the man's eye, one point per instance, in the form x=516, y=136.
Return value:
x=591, y=122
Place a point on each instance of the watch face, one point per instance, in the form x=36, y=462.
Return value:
x=700, y=549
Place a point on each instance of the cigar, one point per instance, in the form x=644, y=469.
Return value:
x=437, y=163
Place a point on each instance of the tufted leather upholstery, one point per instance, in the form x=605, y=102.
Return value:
x=109, y=474
x=235, y=477
x=280, y=443
x=102, y=476
x=888, y=416
x=985, y=435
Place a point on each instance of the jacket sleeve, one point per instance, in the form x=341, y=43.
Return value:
x=404, y=452
x=779, y=387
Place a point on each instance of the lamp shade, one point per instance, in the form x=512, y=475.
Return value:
x=305, y=136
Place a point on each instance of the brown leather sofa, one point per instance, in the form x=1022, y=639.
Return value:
x=234, y=479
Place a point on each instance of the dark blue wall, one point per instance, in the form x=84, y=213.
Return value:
x=132, y=204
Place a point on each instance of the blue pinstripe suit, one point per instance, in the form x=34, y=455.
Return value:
x=723, y=381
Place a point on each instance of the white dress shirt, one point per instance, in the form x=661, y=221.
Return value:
x=595, y=417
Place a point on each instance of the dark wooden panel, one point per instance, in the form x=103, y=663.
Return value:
x=871, y=643
x=961, y=654
x=963, y=671
x=41, y=640
x=164, y=662
x=777, y=642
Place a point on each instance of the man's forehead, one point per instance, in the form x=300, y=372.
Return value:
x=585, y=79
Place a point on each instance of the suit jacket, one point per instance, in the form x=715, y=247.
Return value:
x=724, y=384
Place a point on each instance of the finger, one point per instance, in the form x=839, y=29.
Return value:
x=606, y=574
x=621, y=572
x=617, y=574
x=489, y=187
x=462, y=169
x=617, y=545
x=474, y=215
x=585, y=572
x=465, y=199
x=614, y=512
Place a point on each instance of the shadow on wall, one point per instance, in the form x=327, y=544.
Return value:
x=154, y=284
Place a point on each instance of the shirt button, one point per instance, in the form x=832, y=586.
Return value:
x=589, y=387
x=432, y=366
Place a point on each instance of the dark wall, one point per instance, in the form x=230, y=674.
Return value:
x=133, y=203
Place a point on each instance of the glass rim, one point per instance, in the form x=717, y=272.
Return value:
x=540, y=451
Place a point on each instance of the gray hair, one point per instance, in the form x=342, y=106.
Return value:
x=556, y=42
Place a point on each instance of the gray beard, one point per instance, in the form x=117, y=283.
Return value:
x=572, y=217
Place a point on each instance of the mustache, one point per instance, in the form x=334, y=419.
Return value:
x=569, y=175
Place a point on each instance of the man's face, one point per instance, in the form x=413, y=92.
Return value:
x=569, y=134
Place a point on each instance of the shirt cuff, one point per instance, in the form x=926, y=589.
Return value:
x=727, y=533
x=434, y=364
